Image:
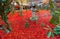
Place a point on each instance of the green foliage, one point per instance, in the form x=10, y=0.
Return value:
x=8, y=9
x=51, y=3
x=49, y=34
x=55, y=17
x=42, y=24
x=57, y=30
x=6, y=5
x=55, y=13
x=4, y=10
x=33, y=18
x=52, y=34
x=26, y=24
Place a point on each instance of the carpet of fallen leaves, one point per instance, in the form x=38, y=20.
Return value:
x=34, y=31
